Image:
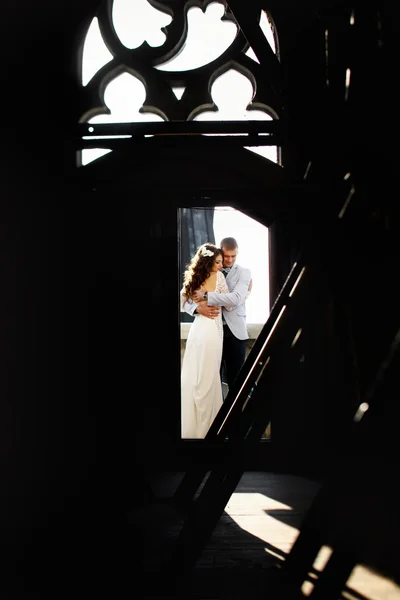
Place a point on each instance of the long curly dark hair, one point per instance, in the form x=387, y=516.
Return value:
x=199, y=268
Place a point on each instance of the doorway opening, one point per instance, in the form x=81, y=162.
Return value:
x=199, y=225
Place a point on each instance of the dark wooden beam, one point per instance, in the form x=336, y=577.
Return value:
x=258, y=43
x=178, y=127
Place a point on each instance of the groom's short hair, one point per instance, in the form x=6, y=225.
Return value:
x=229, y=243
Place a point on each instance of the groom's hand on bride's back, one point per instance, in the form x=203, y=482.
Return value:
x=207, y=311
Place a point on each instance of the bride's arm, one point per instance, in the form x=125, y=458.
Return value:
x=237, y=296
x=225, y=290
x=222, y=288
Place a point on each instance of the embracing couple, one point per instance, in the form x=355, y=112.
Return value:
x=214, y=291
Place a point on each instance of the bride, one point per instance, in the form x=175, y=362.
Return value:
x=201, y=388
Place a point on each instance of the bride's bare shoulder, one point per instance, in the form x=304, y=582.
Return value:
x=210, y=282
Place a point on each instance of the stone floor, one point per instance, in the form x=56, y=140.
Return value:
x=248, y=546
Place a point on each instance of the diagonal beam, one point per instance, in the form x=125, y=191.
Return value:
x=254, y=35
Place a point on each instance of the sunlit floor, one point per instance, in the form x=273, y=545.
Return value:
x=260, y=523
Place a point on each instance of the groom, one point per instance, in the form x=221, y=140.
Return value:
x=239, y=282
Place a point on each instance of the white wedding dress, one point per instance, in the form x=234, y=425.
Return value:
x=201, y=387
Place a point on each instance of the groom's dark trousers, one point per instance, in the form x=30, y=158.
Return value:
x=233, y=356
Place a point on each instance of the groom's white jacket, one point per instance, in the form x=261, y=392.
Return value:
x=238, y=281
